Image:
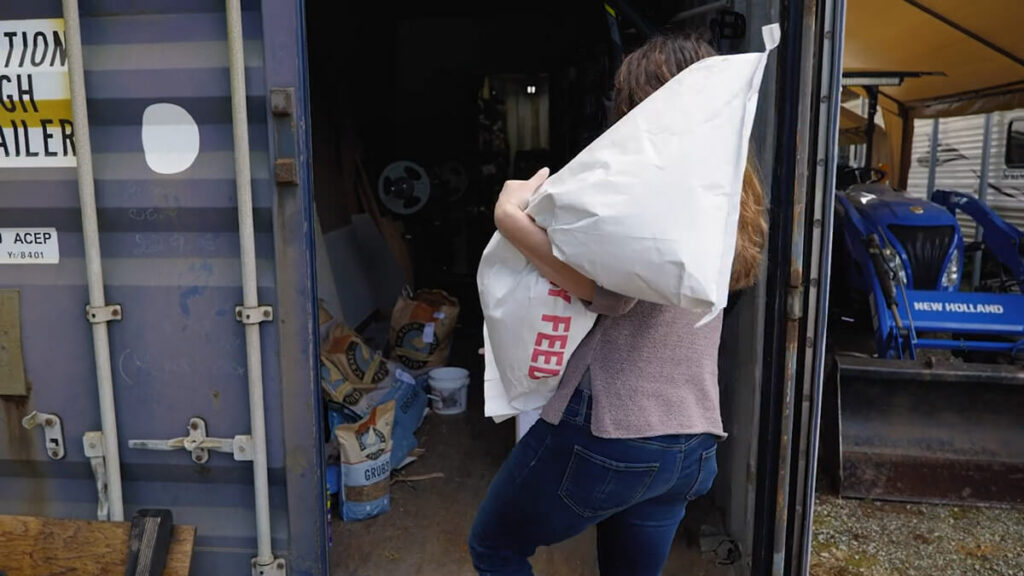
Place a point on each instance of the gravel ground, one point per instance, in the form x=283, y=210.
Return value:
x=862, y=537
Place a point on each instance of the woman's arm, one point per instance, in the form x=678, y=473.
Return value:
x=532, y=241
x=518, y=228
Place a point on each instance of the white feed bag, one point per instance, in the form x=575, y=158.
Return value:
x=650, y=208
x=531, y=328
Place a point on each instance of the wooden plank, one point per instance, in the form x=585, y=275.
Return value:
x=33, y=546
x=12, y=364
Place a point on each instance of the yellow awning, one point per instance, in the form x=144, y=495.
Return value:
x=976, y=46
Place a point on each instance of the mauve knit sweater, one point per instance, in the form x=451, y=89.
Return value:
x=651, y=371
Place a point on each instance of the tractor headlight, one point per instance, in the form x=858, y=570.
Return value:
x=895, y=264
x=951, y=276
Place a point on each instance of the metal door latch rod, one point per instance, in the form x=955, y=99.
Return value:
x=199, y=444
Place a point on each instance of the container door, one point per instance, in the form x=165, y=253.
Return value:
x=160, y=113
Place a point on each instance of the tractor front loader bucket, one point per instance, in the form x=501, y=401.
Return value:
x=929, y=431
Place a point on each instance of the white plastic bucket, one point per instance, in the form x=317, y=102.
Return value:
x=449, y=388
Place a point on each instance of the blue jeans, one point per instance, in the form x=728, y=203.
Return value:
x=561, y=479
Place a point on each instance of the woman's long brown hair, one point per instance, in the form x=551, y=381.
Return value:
x=646, y=70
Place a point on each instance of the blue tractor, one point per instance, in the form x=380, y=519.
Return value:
x=906, y=255
x=933, y=410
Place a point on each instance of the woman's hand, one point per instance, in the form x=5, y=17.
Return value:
x=515, y=196
x=531, y=240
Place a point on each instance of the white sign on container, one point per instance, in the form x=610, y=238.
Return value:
x=36, y=129
x=29, y=246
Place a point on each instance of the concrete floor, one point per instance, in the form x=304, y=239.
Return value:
x=425, y=532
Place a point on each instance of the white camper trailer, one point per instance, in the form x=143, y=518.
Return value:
x=969, y=150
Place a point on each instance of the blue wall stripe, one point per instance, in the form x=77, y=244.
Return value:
x=126, y=279
x=27, y=9
x=134, y=220
x=168, y=27
x=195, y=193
x=204, y=109
x=134, y=7
x=167, y=83
x=212, y=138
x=132, y=166
x=168, y=244
x=30, y=10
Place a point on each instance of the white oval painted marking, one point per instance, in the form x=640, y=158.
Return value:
x=170, y=138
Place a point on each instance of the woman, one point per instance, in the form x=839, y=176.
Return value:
x=629, y=438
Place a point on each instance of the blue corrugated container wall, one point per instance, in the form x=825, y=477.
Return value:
x=171, y=260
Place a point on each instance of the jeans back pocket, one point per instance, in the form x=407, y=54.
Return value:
x=705, y=474
x=595, y=486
